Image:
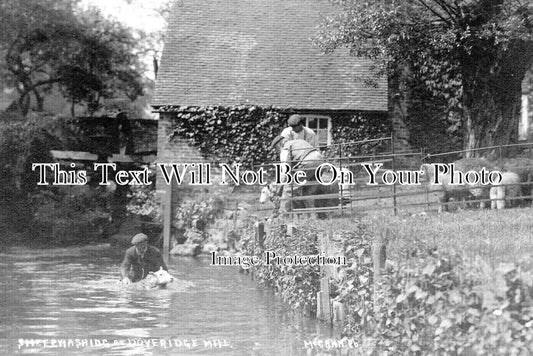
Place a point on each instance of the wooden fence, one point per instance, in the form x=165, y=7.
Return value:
x=389, y=194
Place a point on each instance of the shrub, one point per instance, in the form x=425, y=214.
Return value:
x=297, y=285
x=198, y=213
x=142, y=202
x=430, y=302
x=21, y=145
x=354, y=285
x=72, y=215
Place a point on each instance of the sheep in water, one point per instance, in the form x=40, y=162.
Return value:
x=502, y=193
x=448, y=191
x=153, y=280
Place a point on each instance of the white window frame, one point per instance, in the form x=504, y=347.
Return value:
x=308, y=117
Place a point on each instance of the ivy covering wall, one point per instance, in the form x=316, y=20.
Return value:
x=243, y=134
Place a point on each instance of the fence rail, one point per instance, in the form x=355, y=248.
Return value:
x=359, y=195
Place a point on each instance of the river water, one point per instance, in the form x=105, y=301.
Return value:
x=68, y=301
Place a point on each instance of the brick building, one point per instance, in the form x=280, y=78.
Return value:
x=261, y=53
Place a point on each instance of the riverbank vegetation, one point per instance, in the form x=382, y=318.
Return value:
x=200, y=224
x=45, y=213
x=296, y=284
x=458, y=283
x=70, y=59
x=454, y=284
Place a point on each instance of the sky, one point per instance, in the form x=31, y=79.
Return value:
x=138, y=14
x=135, y=13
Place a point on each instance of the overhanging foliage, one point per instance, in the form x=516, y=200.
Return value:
x=51, y=44
x=473, y=54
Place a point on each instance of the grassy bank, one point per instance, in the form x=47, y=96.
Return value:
x=495, y=235
x=454, y=283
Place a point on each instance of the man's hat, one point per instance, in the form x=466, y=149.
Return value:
x=294, y=120
x=137, y=239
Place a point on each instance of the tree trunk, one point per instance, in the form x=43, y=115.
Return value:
x=491, y=126
x=491, y=101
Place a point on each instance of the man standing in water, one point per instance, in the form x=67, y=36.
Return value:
x=140, y=259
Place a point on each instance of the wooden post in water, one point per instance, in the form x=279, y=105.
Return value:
x=167, y=219
x=323, y=304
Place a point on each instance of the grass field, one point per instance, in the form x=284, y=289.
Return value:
x=497, y=236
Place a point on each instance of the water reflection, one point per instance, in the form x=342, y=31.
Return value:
x=72, y=295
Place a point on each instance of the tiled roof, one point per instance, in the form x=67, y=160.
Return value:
x=259, y=52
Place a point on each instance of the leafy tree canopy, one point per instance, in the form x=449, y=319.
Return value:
x=53, y=42
x=472, y=53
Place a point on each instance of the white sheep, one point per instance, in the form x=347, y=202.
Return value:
x=501, y=193
x=523, y=166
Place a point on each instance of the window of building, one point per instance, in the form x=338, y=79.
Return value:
x=322, y=126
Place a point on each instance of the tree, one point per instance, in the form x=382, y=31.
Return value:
x=54, y=42
x=472, y=53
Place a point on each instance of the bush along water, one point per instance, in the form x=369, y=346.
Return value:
x=48, y=214
x=354, y=284
x=427, y=301
x=432, y=302
x=78, y=214
x=297, y=285
x=201, y=226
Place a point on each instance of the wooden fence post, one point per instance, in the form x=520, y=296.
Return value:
x=394, y=203
x=291, y=230
x=167, y=219
x=259, y=234
x=426, y=187
x=379, y=257
x=338, y=312
x=324, y=308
